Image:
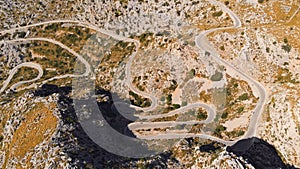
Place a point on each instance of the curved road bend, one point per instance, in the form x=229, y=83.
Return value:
x=143, y=125
x=15, y=70
x=81, y=59
x=210, y=111
x=202, y=43
x=37, y=66
x=128, y=66
x=106, y=32
x=236, y=21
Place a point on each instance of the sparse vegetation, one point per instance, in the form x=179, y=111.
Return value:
x=169, y=99
x=217, y=14
x=24, y=73
x=224, y=115
x=146, y=38
x=222, y=48
x=240, y=109
x=137, y=100
x=286, y=47
x=243, y=97
x=1, y=138
x=39, y=124
x=234, y=134
x=193, y=72
x=219, y=129
x=201, y=115
x=176, y=106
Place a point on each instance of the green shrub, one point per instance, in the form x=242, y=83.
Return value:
x=201, y=115
x=217, y=14
x=219, y=129
x=286, y=47
x=244, y=96
x=222, y=48
x=240, y=109
x=193, y=72
x=240, y=133
x=176, y=106
x=169, y=99
x=224, y=115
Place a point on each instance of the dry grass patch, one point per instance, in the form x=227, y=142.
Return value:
x=39, y=124
x=280, y=12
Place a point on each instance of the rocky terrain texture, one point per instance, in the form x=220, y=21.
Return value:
x=39, y=127
x=259, y=153
x=79, y=151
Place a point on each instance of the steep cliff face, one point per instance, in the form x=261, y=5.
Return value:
x=80, y=149
x=259, y=154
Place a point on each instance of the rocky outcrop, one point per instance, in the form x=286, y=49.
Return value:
x=48, y=89
x=259, y=153
x=80, y=149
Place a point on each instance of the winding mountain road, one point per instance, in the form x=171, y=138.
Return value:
x=185, y=135
x=79, y=57
x=201, y=42
x=152, y=98
x=211, y=112
x=39, y=68
x=209, y=109
x=15, y=70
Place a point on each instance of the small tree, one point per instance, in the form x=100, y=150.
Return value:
x=224, y=115
x=244, y=96
x=201, y=115
x=217, y=14
x=169, y=99
x=286, y=47
x=193, y=72
x=219, y=129
x=240, y=109
x=176, y=106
